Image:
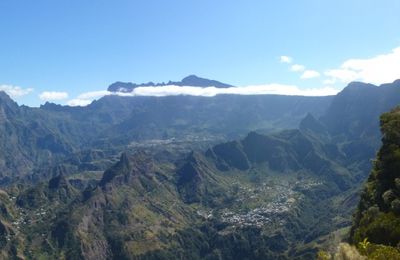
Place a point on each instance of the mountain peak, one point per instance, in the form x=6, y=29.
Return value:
x=311, y=123
x=396, y=82
x=191, y=80
x=3, y=94
x=190, y=77
x=356, y=85
x=6, y=99
x=128, y=166
x=7, y=105
x=58, y=182
x=352, y=109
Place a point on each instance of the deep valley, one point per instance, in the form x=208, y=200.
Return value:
x=184, y=177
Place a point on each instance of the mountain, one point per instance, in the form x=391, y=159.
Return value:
x=351, y=110
x=9, y=240
x=225, y=177
x=311, y=124
x=375, y=232
x=377, y=216
x=226, y=116
x=132, y=210
x=197, y=181
x=121, y=120
x=264, y=196
x=191, y=80
x=352, y=120
x=41, y=138
x=35, y=140
x=286, y=151
x=56, y=191
x=28, y=139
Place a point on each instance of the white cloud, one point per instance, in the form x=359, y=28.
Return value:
x=278, y=89
x=377, y=70
x=53, y=95
x=329, y=81
x=343, y=75
x=15, y=91
x=171, y=90
x=79, y=102
x=86, y=98
x=297, y=67
x=94, y=94
x=285, y=59
x=309, y=74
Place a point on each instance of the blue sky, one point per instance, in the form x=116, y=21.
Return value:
x=83, y=46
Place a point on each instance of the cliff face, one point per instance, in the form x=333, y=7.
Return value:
x=378, y=214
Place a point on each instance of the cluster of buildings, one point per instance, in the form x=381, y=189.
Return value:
x=279, y=199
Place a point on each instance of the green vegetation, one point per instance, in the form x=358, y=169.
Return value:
x=281, y=204
x=35, y=140
x=377, y=216
x=377, y=251
x=376, y=227
x=70, y=193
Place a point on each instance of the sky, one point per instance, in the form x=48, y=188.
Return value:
x=69, y=51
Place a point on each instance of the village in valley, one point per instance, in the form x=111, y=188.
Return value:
x=265, y=205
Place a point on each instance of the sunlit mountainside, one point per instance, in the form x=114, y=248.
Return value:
x=230, y=176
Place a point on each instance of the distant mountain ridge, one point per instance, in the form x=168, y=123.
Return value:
x=191, y=80
x=38, y=136
x=114, y=122
x=268, y=194
x=352, y=109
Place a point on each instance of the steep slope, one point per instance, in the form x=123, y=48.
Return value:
x=278, y=195
x=27, y=140
x=264, y=197
x=286, y=151
x=375, y=232
x=215, y=118
x=353, y=108
x=352, y=121
x=10, y=242
x=377, y=217
x=26, y=216
x=57, y=191
x=311, y=124
x=38, y=138
x=144, y=210
x=35, y=140
x=134, y=210
x=309, y=182
x=198, y=182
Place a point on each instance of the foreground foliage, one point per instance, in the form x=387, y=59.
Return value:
x=378, y=213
